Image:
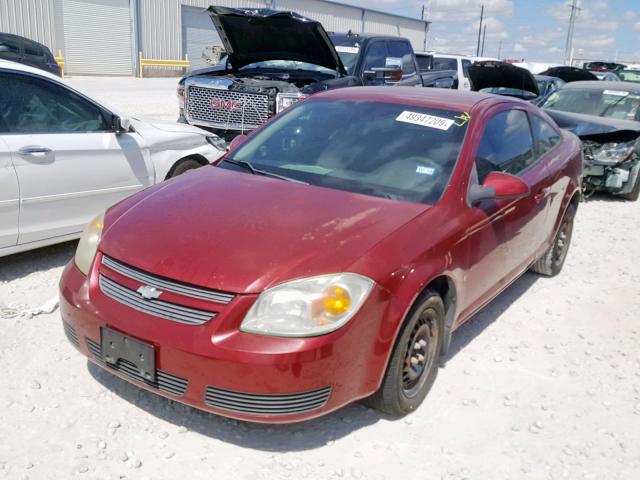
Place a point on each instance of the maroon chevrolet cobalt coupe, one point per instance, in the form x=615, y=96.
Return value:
x=329, y=256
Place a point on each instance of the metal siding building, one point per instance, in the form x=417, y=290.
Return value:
x=103, y=37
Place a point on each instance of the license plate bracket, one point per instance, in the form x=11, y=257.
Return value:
x=116, y=346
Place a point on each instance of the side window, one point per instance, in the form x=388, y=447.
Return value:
x=32, y=49
x=506, y=145
x=546, y=137
x=376, y=56
x=8, y=47
x=402, y=50
x=465, y=67
x=31, y=105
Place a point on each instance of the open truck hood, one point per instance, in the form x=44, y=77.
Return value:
x=492, y=74
x=569, y=74
x=256, y=35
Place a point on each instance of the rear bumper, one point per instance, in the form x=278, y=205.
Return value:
x=217, y=368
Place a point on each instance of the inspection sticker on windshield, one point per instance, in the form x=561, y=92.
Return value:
x=617, y=93
x=425, y=120
x=343, y=49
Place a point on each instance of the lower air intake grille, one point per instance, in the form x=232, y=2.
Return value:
x=164, y=381
x=70, y=332
x=264, y=404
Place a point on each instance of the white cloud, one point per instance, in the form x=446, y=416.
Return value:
x=466, y=10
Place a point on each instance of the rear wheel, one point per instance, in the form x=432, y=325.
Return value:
x=184, y=166
x=413, y=365
x=550, y=264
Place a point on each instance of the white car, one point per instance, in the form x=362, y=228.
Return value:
x=64, y=157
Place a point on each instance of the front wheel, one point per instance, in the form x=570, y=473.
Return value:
x=550, y=264
x=184, y=166
x=413, y=365
x=633, y=195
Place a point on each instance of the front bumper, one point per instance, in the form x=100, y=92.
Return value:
x=217, y=368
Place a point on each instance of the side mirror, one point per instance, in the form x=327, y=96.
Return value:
x=498, y=186
x=237, y=141
x=392, y=73
x=120, y=124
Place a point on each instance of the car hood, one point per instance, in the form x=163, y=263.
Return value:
x=499, y=74
x=255, y=35
x=155, y=127
x=242, y=233
x=569, y=74
x=590, y=126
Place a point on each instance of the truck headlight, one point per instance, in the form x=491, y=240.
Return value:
x=285, y=100
x=308, y=307
x=180, y=95
x=88, y=245
x=216, y=142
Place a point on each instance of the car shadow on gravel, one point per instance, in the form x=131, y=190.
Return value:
x=300, y=436
x=20, y=265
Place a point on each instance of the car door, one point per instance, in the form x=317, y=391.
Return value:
x=504, y=235
x=9, y=196
x=70, y=162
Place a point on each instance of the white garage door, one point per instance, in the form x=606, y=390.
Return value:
x=98, y=37
x=197, y=34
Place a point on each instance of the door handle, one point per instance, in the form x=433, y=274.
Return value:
x=541, y=194
x=33, y=149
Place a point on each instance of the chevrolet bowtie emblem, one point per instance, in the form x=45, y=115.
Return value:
x=149, y=292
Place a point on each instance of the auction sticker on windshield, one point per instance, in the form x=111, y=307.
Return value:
x=425, y=120
x=342, y=49
x=617, y=93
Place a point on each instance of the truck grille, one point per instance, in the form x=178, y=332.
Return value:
x=265, y=404
x=226, y=109
x=165, y=381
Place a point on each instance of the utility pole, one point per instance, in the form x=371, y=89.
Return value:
x=426, y=29
x=499, y=49
x=480, y=29
x=572, y=21
x=484, y=34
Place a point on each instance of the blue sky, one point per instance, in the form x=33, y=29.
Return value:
x=531, y=29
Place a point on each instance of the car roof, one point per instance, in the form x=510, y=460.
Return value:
x=600, y=85
x=451, y=55
x=19, y=67
x=457, y=100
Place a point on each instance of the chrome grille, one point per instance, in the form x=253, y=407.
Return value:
x=70, y=332
x=265, y=404
x=165, y=381
x=250, y=109
x=166, y=285
x=159, y=308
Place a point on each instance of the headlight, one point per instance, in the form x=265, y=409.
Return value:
x=180, y=94
x=285, y=100
x=88, y=245
x=613, y=153
x=216, y=142
x=308, y=307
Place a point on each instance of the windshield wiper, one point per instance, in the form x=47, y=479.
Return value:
x=257, y=171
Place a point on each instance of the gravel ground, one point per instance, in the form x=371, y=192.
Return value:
x=544, y=383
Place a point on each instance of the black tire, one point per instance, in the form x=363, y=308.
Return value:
x=550, y=264
x=407, y=379
x=633, y=195
x=184, y=166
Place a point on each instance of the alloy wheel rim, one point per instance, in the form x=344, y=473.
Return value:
x=421, y=353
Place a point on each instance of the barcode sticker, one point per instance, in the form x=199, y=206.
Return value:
x=425, y=120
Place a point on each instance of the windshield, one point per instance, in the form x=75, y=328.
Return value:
x=287, y=65
x=348, y=55
x=383, y=149
x=509, y=92
x=630, y=75
x=619, y=104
